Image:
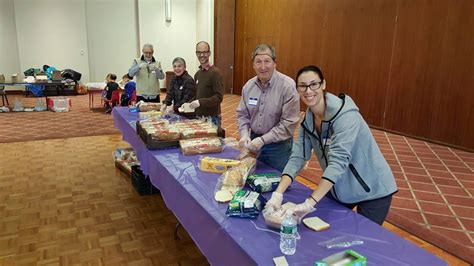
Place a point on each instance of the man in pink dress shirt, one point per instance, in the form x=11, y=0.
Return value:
x=269, y=110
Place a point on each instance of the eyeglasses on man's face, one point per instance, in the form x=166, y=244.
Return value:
x=198, y=53
x=314, y=86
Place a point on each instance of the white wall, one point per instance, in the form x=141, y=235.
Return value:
x=52, y=32
x=96, y=37
x=111, y=36
x=170, y=39
x=205, y=23
x=9, y=59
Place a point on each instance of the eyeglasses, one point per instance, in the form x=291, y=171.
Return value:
x=313, y=86
x=202, y=52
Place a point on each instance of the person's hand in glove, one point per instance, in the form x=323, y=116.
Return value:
x=194, y=104
x=142, y=65
x=163, y=108
x=244, y=141
x=275, y=201
x=302, y=209
x=256, y=144
x=169, y=111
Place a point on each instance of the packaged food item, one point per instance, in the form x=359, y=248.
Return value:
x=125, y=158
x=234, y=179
x=217, y=165
x=274, y=218
x=149, y=114
x=149, y=106
x=231, y=142
x=245, y=204
x=264, y=182
x=168, y=132
x=190, y=133
x=201, y=146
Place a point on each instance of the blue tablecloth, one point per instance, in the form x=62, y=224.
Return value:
x=189, y=194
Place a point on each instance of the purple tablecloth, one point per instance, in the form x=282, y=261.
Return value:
x=188, y=193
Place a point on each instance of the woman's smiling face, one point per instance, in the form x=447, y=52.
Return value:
x=311, y=88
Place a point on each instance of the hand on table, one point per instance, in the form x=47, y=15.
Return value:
x=275, y=201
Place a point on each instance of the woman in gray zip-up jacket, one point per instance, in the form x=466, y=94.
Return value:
x=354, y=169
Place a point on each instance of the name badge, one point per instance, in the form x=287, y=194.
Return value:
x=253, y=101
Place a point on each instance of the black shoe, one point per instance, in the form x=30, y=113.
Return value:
x=108, y=110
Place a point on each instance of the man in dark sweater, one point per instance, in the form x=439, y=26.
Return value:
x=210, y=88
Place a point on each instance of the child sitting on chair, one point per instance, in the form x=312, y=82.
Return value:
x=129, y=88
x=108, y=90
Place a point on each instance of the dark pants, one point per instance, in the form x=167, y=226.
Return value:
x=275, y=154
x=155, y=100
x=375, y=210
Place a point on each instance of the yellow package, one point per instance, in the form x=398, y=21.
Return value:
x=217, y=165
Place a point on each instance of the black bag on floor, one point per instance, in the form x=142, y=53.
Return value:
x=142, y=183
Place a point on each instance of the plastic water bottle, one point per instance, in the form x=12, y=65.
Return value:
x=288, y=234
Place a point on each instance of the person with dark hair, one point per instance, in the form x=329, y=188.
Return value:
x=210, y=87
x=148, y=72
x=268, y=112
x=355, y=172
x=129, y=86
x=109, y=89
x=182, y=88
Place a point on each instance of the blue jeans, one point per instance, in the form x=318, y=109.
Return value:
x=375, y=210
x=216, y=120
x=275, y=154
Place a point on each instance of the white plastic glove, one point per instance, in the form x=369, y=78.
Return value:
x=163, y=108
x=169, y=111
x=244, y=141
x=256, y=144
x=194, y=104
x=142, y=65
x=302, y=209
x=275, y=201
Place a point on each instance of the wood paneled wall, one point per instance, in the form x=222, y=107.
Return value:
x=224, y=25
x=409, y=64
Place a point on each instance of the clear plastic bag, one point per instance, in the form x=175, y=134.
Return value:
x=201, y=146
x=233, y=179
x=344, y=241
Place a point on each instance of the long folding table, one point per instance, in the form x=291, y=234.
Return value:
x=189, y=194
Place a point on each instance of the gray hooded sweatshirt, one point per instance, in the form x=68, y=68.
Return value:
x=346, y=151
